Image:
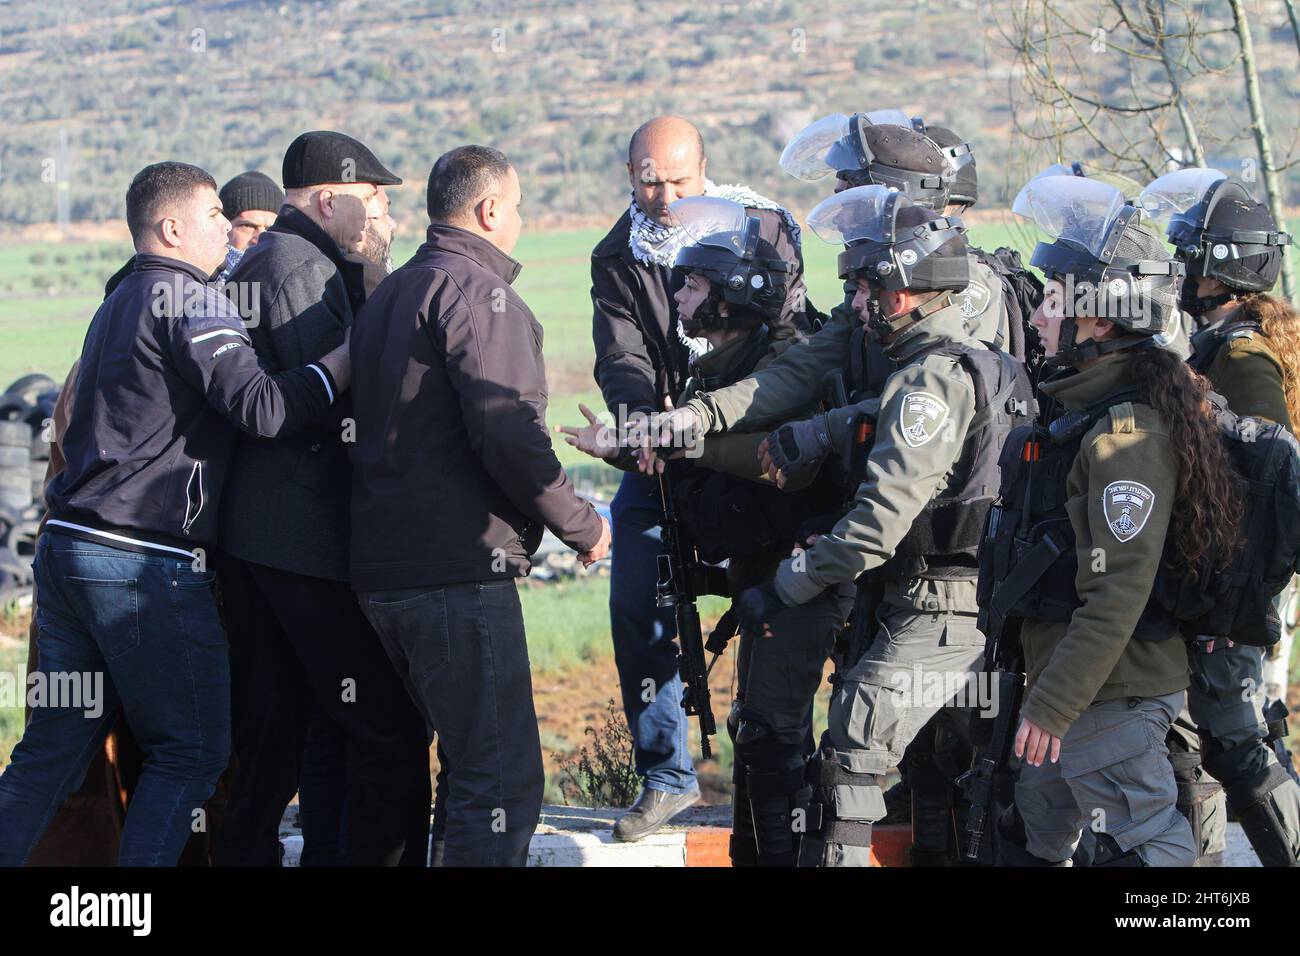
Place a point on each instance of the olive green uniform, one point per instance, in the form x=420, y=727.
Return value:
x=1224, y=719
x=927, y=649
x=1110, y=698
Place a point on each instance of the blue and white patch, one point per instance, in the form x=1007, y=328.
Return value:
x=1127, y=505
x=921, y=417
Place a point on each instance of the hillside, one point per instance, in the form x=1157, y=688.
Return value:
x=559, y=86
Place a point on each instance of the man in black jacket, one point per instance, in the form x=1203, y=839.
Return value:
x=125, y=591
x=454, y=483
x=297, y=636
x=641, y=357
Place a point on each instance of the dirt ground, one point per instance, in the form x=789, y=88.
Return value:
x=569, y=702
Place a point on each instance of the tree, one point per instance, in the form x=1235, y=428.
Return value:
x=1143, y=87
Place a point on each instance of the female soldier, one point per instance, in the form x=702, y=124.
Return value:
x=1135, y=458
x=731, y=286
x=1248, y=346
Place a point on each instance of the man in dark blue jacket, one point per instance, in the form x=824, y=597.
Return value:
x=126, y=617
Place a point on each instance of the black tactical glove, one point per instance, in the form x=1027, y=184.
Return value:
x=756, y=607
x=797, y=447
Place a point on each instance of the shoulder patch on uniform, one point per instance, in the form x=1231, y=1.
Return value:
x=1127, y=505
x=1123, y=420
x=921, y=417
x=974, y=299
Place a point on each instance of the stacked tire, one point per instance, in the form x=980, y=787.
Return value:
x=25, y=409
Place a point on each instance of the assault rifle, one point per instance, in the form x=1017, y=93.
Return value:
x=683, y=577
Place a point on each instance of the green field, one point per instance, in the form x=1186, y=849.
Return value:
x=49, y=292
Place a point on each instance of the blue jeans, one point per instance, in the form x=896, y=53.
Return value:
x=644, y=651
x=145, y=627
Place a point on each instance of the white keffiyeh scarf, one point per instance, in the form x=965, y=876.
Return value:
x=655, y=244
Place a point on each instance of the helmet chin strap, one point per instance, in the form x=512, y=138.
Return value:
x=886, y=325
x=1091, y=348
x=1198, y=305
x=707, y=318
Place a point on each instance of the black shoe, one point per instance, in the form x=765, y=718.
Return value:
x=651, y=811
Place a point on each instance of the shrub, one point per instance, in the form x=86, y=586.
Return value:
x=605, y=775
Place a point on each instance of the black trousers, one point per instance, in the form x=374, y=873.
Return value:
x=463, y=657
x=300, y=645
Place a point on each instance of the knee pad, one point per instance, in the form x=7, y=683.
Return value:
x=1200, y=802
x=840, y=813
x=762, y=748
x=1252, y=802
x=1231, y=765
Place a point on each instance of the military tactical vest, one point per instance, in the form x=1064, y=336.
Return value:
x=1022, y=293
x=1207, y=342
x=944, y=540
x=1029, y=562
x=726, y=516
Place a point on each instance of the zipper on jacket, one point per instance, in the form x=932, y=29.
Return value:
x=196, y=477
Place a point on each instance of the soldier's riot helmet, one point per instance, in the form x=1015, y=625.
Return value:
x=1218, y=229
x=862, y=152
x=1129, y=187
x=965, y=189
x=894, y=244
x=1110, y=263
x=743, y=269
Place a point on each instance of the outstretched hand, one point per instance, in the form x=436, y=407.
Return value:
x=595, y=438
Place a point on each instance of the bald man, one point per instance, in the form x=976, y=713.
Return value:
x=642, y=355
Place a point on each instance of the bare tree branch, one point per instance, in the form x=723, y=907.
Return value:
x=1272, y=185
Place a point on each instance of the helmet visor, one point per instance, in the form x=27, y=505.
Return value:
x=710, y=221
x=819, y=149
x=1175, y=193
x=1071, y=208
x=863, y=212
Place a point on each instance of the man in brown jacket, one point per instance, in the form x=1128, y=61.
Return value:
x=454, y=482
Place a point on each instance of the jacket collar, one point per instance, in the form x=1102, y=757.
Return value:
x=462, y=242
x=946, y=325
x=295, y=222
x=1076, y=389
x=718, y=366
x=145, y=262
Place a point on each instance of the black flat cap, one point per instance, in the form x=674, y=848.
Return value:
x=324, y=156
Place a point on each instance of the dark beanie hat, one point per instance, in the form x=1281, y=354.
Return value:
x=324, y=156
x=250, y=190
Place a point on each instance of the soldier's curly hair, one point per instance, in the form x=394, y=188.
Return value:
x=1280, y=323
x=1208, y=506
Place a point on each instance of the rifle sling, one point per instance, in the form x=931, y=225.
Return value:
x=1024, y=576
